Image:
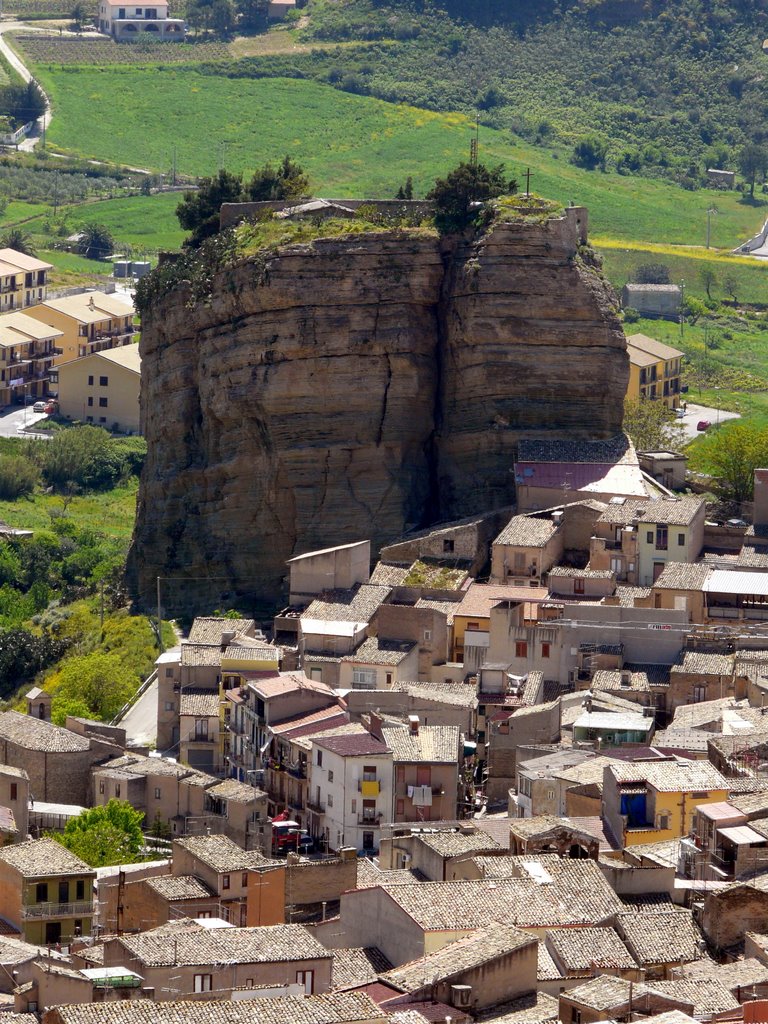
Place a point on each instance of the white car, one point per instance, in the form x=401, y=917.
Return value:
x=38, y=407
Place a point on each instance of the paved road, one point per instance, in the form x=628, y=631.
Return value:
x=14, y=418
x=695, y=413
x=140, y=722
x=10, y=55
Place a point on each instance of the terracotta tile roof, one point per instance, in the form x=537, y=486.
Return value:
x=527, y=532
x=209, y=630
x=671, y=776
x=234, y=791
x=354, y=745
x=706, y=994
x=336, y=1008
x=547, y=969
x=458, y=694
x=179, y=887
x=481, y=597
x=704, y=663
x=34, y=734
x=359, y=966
x=458, y=844
x=287, y=682
x=578, y=894
x=602, y=993
x=660, y=938
x=199, y=703
x=389, y=574
x=581, y=574
x=40, y=857
x=446, y=608
x=614, y=449
x=200, y=655
x=636, y=511
x=535, y=1008
x=682, y=576
x=580, y=950
x=221, y=853
x=309, y=724
x=734, y=975
x=485, y=946
x=356, y=605
x=433, y=743
x=376, y=651
x=267, y=944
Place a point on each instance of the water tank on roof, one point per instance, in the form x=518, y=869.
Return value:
x=122, y=268
x=140, y=269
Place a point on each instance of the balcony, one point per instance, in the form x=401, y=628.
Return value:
x=200, y=738
x=83, y=908
x=369, y=787
x=316, y=807
x=370, y=820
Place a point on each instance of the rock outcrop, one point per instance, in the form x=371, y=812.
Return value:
x=356, y=387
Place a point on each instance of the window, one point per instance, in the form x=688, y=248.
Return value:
x=244, y=880
x=101, y=787
x=41, y=892
x=317, y=674
x=473, y=625
x=202, y=983
x=103, y=382
x=80, y=889
x=367, y=840
x=550, y=794
x=354, y=806
x=169, y=673
x=521, y=649
x=157, y=792
x=102, y=419
x=661, y=537
x=225, y=881
x=427, y=635
x=103, y=403
x=369, y=773
x=117, y=790
x=448, y=547
x=90, y=381
x=169, y=705
x=681, y=540
x=400, y=772
x=90, y=400
x=307, y=979
x=699, y=694
x=330, y=774
x=330, y=800
x=14, y=791
x=578, y=585
x=121, y=12
x=400, y=808
x=481, y=735
x=545, y=650
x=319, y=759
x=364, y=678
x=201, y=729
x=649, y=537
x=662, y=819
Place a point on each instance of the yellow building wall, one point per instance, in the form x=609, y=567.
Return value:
x=681, y=808
x=69, y=327
x=460, y=627
x=121, y=392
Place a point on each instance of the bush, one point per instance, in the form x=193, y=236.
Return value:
x=18, y=477
x=85, y=457
x=652, y=273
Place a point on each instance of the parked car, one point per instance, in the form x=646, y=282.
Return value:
x=39, y=407
x=735, y=522
x=703, y=425
x=51, y=407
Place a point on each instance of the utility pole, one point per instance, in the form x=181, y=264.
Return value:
x=682, y=305
x=55, y=192
x=527, y=181
x=475, y=142
x=173, y=173
x=710, y=210
x=159, y=620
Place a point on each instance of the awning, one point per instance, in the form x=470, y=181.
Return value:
x=741, y=835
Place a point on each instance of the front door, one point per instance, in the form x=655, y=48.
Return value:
x=52, y=933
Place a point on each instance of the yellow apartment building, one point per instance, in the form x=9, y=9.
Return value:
x=27, y=351
x=90, y=322
x=654, y=370
x=23, y=280
x=102, y=388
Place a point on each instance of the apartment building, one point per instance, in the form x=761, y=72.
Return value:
x=89, y=322
x=350, y=789
x=23, y=280
x=27, y=351
x=654, y=370
x=102, y=388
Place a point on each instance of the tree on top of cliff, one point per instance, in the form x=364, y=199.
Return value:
x=198, y=212
x=454, y=196
x=286, y=181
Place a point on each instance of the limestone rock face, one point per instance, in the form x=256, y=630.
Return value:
x=356, y=387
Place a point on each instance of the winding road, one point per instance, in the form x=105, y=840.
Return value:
x=12, y=57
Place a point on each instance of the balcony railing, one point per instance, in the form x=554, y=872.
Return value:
x=83, y=908
x=194, y=737
x=371, y=820
x=316, y=807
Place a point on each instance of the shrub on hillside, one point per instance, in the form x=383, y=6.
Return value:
x=18, y=477
x=88, y=457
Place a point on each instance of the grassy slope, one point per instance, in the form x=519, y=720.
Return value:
x=351, y=145
x=111, y=512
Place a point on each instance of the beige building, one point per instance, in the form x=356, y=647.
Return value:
x=129, y=23
x=46, y=892
x=526, y=549
x=27, y=351
x=426, y=762
x=89, y=322
x=201, y=963
x=654, y=370
x=23, y=280
x=102, y=388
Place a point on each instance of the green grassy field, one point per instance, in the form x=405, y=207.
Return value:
x=145, y=222
x=620, y=265
x=110, y=512
x=351, y=145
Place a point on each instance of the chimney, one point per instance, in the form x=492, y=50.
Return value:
x=413, y=724
x=375, y=722
x=760, y=507
x=226, y=638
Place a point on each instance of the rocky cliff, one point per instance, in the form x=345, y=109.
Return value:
x=356, y=387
